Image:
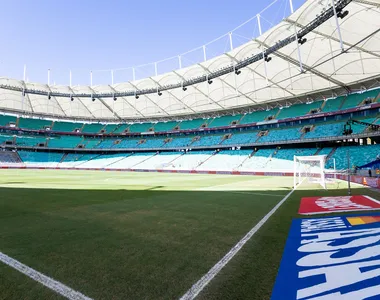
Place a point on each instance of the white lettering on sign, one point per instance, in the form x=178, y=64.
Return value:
x=309, y=225
x=336, y=258
x=339, y=276
x=337, y=203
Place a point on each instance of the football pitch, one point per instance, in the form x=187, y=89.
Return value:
x=119, y=235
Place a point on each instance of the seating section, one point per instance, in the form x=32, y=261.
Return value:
x=179, y=142
x=4, y=138
x=298, y=110
x=93, y=128
x=9, y=157
x=241, y=138
x=208, y=140
x=333, y=104
x=66, y=126
x=359, y=155
x=140, y=127
x=354, y=100
x=5, y=120
x=40, y=157
x=223, y=121
x=328, y=130
x=258, y=116
x=64, y=142
x=289, y=154
x=30, y=141
x=165, y=126
x=192, y=124
x=91, y=143
x=281, y=135
x=36, y=124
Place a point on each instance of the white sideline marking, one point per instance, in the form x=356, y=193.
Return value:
x=193, y=292
x=253, y=193
x=50, y=283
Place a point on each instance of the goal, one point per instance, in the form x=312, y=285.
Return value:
x=310, y=168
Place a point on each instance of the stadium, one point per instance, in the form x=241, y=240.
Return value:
x=183, y=184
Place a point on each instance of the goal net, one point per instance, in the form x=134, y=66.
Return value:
x=310, y=168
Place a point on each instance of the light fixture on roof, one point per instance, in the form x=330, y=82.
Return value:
x=159, y=93
x=137, y=96
x=71, y=98
x=49, y=97
x=237, y=72
x=343, y=14
x=209, y=81
x=93, y=99
x=267, y=58
x=302, y=41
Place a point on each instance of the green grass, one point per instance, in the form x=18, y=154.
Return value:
x=112, y=235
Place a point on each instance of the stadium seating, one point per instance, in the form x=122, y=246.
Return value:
x=91, y=143
x=282, y=135
x=359, y=155
x=333, y=104
x=110, y=128
x=30, y=157
x=327, y=130
x=298, y=110
x=258, y=116
x=66, y=126
x=223, y=121
x=208, y=140
x=241, y=138
x=179, y=142
x=192, y=124
x=93, y=128
x=5, y=120
x=165, y=126
x=121, y=128
x=140, y=127
x=152, y=143
x=64, y=142
x=9, y=157
x=36, y=124
x=30, y=141
x=4, y=138
x=354, y=100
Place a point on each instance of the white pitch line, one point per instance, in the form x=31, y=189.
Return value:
x=253, y=193
x=50, y=283
x=193, y=292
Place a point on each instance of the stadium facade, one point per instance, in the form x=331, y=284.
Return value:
x=308, y=86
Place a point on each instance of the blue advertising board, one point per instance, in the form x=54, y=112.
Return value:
x=331, y=258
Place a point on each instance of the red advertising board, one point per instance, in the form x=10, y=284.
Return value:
x=325, y=205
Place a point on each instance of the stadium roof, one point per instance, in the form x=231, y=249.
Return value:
x=334, y=58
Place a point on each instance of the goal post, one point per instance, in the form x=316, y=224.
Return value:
x=310, y=168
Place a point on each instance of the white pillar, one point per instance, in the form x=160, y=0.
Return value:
x=48, y=76
x=337, y=26
x=70, y=79
x=112, y=77
x=291, y=6
x=204, y=53
x=24, y=73
x=231, y=44
x=133, y=74
x=179, y=62
x=259, y=24
x=91, y=78
x=155, y=69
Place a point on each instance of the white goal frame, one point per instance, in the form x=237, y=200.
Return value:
x=311, y=168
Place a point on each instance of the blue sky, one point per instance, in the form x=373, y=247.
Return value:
x=84, y=35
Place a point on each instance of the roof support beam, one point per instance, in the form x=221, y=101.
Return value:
x=335, y=39
x=154, y=103
x=82, y=103
x=27, y=96
x=230, y=85
x=107, y=106
x=170, y=93
x=48, y=87
x=306, y=67
x=200, y=91
x=264, y=77
x=133, y=107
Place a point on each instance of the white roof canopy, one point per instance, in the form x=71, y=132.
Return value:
x=317, y=66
